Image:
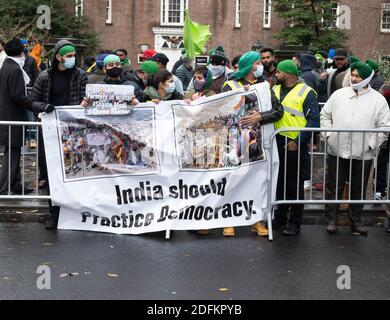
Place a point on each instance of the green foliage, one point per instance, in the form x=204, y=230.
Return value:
x=309, y=23
x=384, y=68
x=19, y=18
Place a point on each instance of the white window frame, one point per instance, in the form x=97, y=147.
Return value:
x=267, y=13
x=385, y=7
x=337, y=22
x=238, y=14
x=79, y=8
x=165, y=13
x=337, y=14
x=108, y=11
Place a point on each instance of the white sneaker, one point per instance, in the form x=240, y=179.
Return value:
x=307, y=185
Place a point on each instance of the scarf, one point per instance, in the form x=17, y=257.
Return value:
x=152, y=93
x=21, y=65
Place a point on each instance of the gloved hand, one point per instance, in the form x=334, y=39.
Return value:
x=49, y=108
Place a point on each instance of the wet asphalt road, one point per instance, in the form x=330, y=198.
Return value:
x=192, y=267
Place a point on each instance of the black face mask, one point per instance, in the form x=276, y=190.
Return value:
x=114, y=72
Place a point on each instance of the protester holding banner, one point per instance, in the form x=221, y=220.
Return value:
x=113, y=70
x=13, y=105
x=162, y=88
x=300, y=110
x=63, y=84
x=203, y=81
x=162, y=62
x=250, y=72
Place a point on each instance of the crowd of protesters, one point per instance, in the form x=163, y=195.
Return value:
x=354, y=93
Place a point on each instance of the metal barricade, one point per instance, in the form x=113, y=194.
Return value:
x=319, y=162
x=28, y=158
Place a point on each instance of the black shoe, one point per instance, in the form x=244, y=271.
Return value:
x=292, y=229
x=279, y=224
x=331, y=228
x=359, y=229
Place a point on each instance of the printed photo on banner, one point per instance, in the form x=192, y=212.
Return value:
x=95, y=146
x=109, y=100
x=209, y=135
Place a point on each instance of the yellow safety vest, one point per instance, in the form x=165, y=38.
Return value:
x=294, y=116
x=235, y=85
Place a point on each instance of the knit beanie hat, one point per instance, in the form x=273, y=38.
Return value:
x=111, y=58
x=288, y=66
x=66, y=49
x=217, y=56
x=150, y=67
x=100, y=60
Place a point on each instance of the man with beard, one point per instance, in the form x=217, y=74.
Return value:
x=300, y=106
x=341, y=63
x=351, y=155
x=63, y=84
x=269, y=62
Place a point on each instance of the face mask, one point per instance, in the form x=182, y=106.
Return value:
x=199, y=85
x=217, y=71
x=319, y=65
x=359, y=86
x=114, y=72
x=259, y=72
x=69, y=63
x=171, y=88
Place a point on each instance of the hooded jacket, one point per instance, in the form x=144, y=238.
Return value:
x=308, y=63
x=42, y=87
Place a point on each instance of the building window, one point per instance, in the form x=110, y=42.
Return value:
x=172, y=12
x=79, y=8
x=238, y=14
x=333, y=20
x=385, y=22
x=109, y=12
x=267, y=14
x=335, y=13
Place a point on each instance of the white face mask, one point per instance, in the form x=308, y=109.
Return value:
x=217, y=71
x=359, y=86
x=259, y=72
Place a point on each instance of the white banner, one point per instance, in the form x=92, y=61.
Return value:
x=170, y=166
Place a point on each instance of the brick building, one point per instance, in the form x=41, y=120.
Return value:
x=236, y=24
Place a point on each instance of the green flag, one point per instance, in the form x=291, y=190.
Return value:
x=195, y=37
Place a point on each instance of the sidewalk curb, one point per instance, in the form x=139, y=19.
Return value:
x=39, y=214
